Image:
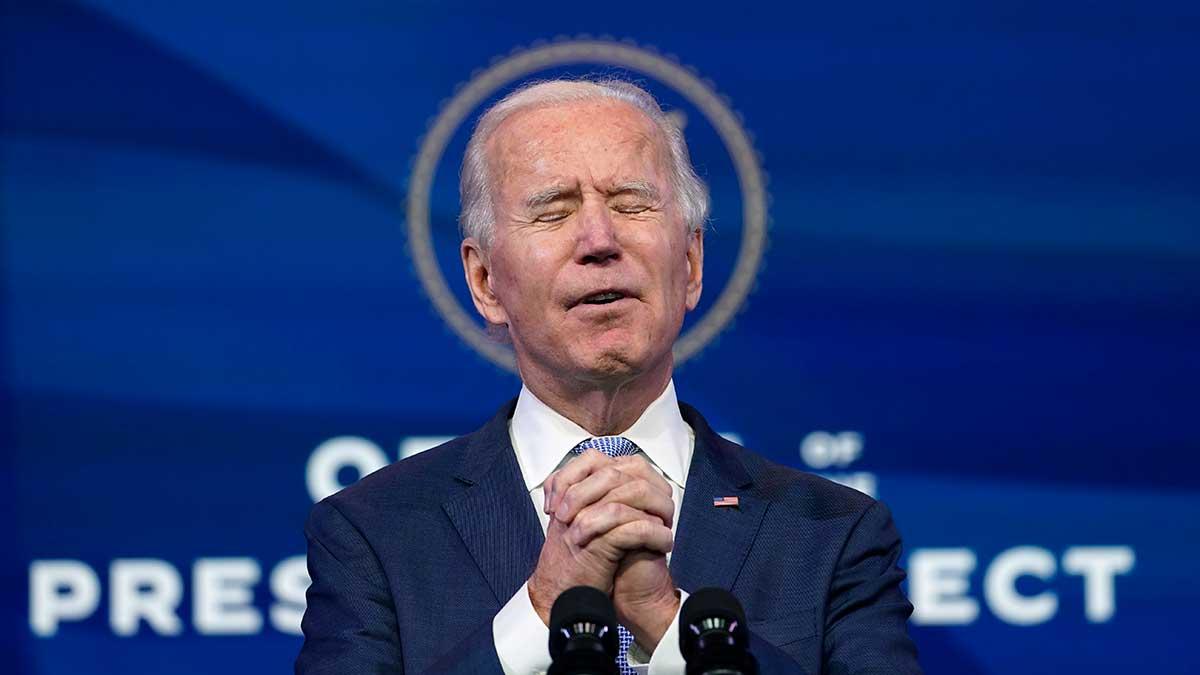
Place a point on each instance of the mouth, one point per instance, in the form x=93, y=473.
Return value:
x=605, y=297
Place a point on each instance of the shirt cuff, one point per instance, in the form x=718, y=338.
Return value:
x=522, y=640
x=667, y=659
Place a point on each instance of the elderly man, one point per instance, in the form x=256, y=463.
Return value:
x=584, y=242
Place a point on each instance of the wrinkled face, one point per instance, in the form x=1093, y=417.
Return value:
x=590, y=264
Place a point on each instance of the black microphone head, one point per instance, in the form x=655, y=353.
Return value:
x=714, y=609
x=712, y=631
x=583, y=629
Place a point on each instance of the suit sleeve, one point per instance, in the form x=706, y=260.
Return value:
x=350, y=620
x=866, y=627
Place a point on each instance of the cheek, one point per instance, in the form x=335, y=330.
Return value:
x=676, y=273
x=525, y=280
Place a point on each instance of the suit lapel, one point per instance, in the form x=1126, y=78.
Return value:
x=494, y=515
x=712, y=542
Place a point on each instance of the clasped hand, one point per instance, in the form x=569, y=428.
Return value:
x=610, y=528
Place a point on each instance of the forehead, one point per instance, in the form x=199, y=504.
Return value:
x=603, y=138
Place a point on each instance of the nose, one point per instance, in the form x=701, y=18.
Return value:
x=596, y=239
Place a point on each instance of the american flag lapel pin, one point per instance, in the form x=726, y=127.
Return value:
x=725, y=501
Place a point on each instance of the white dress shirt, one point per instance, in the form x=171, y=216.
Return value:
x=543, y=440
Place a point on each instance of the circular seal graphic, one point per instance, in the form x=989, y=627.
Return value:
x=523, y=63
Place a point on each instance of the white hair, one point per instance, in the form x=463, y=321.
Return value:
x=478, y=218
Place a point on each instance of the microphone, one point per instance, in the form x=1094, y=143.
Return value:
x=712, y=635
x=583, y=633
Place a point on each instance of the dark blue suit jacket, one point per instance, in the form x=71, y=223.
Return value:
x=410, y=564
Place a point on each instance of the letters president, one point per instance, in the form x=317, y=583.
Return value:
x=583, y=227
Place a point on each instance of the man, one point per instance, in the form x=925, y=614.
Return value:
x=583, y=223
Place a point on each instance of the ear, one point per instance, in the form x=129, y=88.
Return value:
x=695, y=257
x=477, y=268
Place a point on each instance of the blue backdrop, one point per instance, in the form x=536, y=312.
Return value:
x=980, y=300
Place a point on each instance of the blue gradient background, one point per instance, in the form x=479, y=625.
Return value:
x=984, y=257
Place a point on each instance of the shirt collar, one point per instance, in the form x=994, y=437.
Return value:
x=542, y=437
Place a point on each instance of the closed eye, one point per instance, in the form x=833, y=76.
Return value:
x=631, y=208
x=551, y=217
x=633, y=197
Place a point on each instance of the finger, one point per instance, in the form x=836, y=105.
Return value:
x=588, y=491
x=641, y=495
x=598, y=520
x=639, y=466
x=591, y=460
x=637, y=534
x=587, y=463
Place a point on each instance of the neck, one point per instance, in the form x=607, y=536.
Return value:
x=602, y=408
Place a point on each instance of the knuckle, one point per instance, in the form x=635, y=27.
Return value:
x=577, y=533
x=651, y=528
x=570, y=494
x=584, y=520
x=664, y=502
x=634, y=492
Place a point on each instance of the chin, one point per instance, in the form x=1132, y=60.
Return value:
x=618, y=360
x=611, y=362
x=608, y=365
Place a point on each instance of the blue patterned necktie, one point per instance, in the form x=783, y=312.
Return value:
x=615, y=446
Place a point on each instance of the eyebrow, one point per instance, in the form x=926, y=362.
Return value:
x=642, y=188
x=550, y=195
